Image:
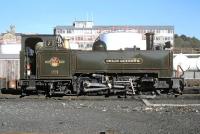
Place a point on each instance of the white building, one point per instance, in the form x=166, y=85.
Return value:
x=84, y=33
x=10, y=42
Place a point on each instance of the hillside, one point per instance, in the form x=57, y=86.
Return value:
x=186, y=44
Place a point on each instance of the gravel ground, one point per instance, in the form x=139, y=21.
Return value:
x=92, y=116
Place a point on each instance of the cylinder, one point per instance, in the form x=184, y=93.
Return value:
x=2, y=83
x=149, y=41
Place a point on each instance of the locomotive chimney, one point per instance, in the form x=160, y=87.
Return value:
x=149, y=41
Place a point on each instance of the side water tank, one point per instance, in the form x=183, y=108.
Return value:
x=182, y=61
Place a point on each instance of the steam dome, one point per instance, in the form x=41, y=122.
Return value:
x=99, y=46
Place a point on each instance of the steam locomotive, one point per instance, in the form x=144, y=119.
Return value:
x=48, y=66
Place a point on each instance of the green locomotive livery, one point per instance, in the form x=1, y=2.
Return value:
x=46, y=65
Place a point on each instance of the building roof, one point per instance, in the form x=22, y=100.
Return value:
x=9, y=56
x=146, y=27
x=16, y=34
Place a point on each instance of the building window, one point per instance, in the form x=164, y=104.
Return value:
x=69, y=31
x=147, y=31
x=79, y=38
x=58, y=31
x=88, y=45
x=151, y=31
x=89, y=38
x=157, y=31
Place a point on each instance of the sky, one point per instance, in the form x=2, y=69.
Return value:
x=41, y=16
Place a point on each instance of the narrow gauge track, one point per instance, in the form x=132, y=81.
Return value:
x=86, y=97
x=189, y=93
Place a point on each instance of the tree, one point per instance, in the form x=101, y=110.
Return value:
x=186, y=42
